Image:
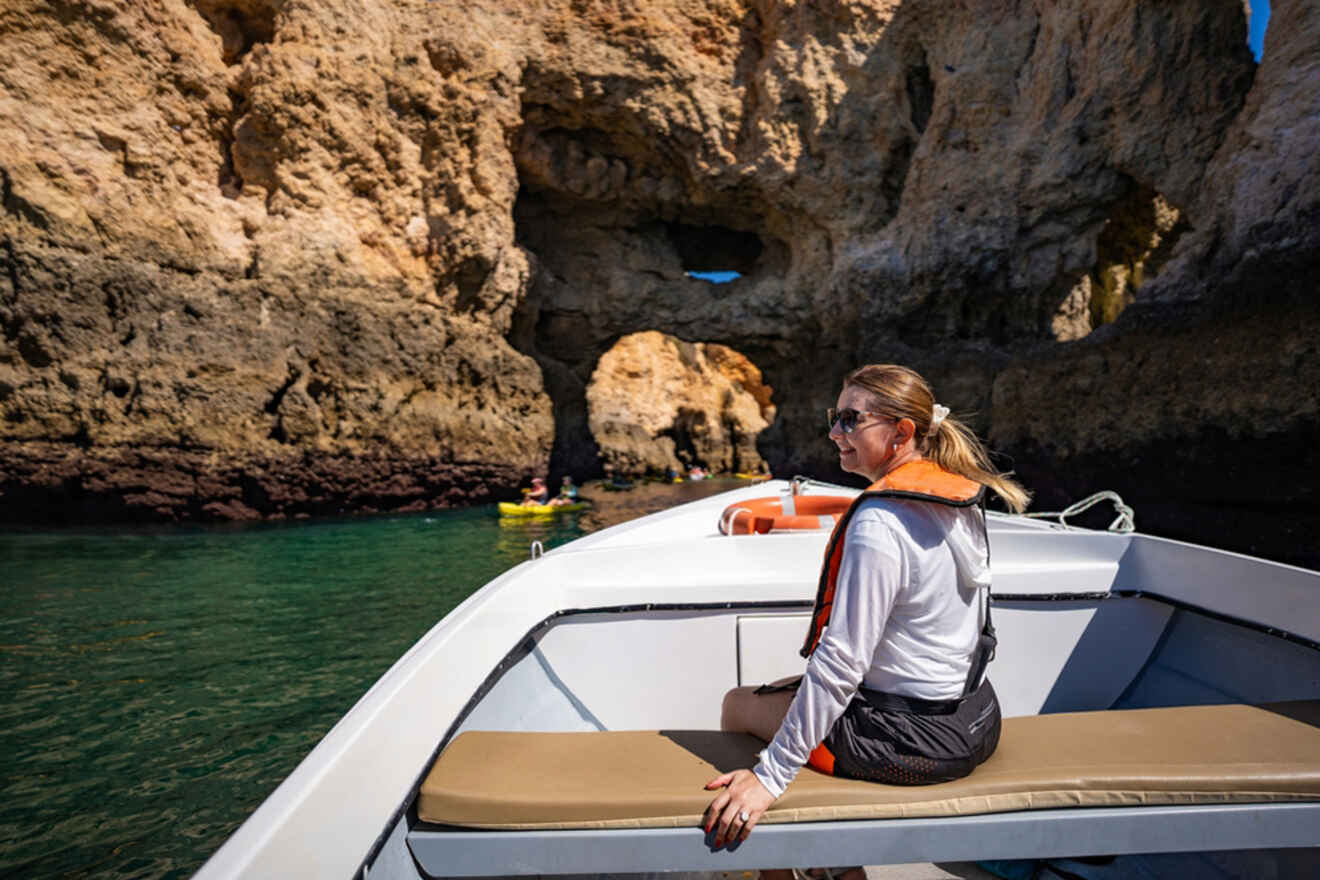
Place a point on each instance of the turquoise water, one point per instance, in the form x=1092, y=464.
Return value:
x=158, y=684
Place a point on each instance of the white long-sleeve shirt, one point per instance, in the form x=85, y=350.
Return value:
x=905, y=620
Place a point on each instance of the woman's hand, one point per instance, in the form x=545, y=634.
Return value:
x=736, y=810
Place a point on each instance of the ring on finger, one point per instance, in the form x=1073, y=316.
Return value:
x=745, y=816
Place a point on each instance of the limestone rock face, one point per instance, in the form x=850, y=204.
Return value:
x=656, y=402
x=234, y=283
x=266, y=257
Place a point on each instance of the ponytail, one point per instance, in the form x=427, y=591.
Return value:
x=954, y=447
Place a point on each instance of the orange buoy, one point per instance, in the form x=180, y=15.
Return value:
x=783, y=513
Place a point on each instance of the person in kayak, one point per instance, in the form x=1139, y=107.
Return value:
x=568, y=493
x=537, y=495
x=894, y=689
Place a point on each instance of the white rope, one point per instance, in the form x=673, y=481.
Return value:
x=726, y=521
x=1125, y=522
x=800, y=485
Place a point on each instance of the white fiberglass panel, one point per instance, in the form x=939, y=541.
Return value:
x=1203, y=660
x=1049, y=562
x=1063, y=656
x=1270, y=594
x=712, y=569
x=342, y=794
x=653, y=672
x=531, y=696
x=768, y=647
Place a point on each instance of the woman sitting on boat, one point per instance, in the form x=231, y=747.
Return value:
x=894, y=689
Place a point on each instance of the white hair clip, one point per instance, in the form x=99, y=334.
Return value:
x=937, y=414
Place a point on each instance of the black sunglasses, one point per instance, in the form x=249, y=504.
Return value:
x=846, y=418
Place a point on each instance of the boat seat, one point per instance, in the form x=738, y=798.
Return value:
x=655, y=779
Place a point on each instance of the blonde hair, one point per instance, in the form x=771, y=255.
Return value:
x=901, y=393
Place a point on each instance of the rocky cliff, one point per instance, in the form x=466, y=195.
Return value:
x=269, y=257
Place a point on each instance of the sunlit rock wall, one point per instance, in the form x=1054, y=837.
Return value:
x=256, y=264
x=656, y=403
x=280, y=257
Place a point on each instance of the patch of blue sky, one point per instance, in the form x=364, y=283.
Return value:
x=1260, y=17
x=715, y=277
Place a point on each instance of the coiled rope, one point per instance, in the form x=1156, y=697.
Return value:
x=1125, y=522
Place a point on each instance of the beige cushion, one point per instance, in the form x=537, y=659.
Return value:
x=634, y=779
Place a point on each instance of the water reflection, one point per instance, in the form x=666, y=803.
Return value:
x=517, y=533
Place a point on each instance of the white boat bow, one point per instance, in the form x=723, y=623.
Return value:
x=645, y=625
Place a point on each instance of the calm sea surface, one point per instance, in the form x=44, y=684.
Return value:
x=156, y=685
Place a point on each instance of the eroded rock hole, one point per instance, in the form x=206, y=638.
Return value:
x=240, y=24
x=616, y=245
x=1134, y=244
x=920, y=93
x=714, y=249
x=228, y=179
x=656, y=403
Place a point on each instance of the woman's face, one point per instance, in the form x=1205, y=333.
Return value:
x=866, y=451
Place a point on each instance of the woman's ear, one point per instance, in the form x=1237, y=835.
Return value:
x=906, y=429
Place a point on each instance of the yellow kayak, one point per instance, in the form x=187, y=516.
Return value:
x=752, y=476
x=508, y=508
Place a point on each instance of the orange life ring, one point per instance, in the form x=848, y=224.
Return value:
x=783, y=513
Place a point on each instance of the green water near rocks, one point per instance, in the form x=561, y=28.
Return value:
x=156, y=685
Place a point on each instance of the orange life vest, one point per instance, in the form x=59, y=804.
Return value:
x=920, y=480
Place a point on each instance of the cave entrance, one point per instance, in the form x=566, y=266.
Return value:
x=1134, y=243
x=602, y=270
x=714, y=253
x=657, y=404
